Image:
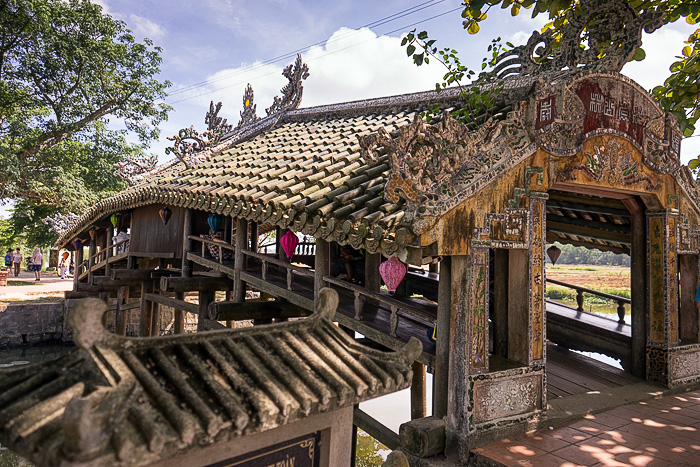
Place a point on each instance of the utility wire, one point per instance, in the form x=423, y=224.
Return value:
x=379, y=22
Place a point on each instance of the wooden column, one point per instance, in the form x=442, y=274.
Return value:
x=638, y=286
x=278, y=246
x=179, y=324
x=518, y=306
x=254, y=236
x=372, y=278
x=239, y=260
x=119, y=314
x=688, y=314
x=456, y=387
x=205, y=298
x=442, y=345
x=110, y=233
x=146, y=309
x=91, y=261
x=322, y=266
x=76, y=267
x=186, y=243
x=418, y=400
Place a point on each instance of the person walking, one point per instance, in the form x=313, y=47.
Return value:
x=64, y=264
x=17, y=261
x=37, y=260
x=8, y=259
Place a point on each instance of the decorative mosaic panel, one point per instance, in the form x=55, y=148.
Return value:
x=537, y=282
x=497, y=399
x=684, y=364
x=672, y=287
x=657, y=360
x=686, y=238
x=479, y=300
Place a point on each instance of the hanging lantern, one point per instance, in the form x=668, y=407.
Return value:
x=114, y=220
x=392, y=272
x=553, y=252
x=165, y=214
x=214, y=222
x=77, y=244
x=289, y=242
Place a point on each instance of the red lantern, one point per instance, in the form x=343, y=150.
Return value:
x=392, y=272
x=553, y=252
x=289, y=242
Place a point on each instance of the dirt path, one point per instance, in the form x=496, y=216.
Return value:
x=50, y=287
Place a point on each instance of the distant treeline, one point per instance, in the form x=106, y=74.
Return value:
x=580, y=255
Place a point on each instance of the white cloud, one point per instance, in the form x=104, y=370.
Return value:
x=145, y=27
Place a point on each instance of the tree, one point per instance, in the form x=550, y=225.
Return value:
x=679, y=94
x=65, y=68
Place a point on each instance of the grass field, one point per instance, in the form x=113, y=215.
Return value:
x=609, y=279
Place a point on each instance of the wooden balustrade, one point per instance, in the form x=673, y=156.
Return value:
x=621, y=301
x=362, y=295
x=302, y=249
x=221, y=245
x=291, y=269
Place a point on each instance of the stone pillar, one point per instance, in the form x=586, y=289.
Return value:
x=322, y=265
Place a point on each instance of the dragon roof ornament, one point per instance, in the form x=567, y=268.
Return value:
x=292, y=91
x=611, y=28
x=189, y=144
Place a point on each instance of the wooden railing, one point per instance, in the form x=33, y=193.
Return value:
x=221, y=245
x=621, y=301
x=362, y=295
x=303, y=248
x=291, y=269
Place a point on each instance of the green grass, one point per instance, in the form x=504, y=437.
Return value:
x=14, y=283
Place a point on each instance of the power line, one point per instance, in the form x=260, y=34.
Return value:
x=379, y=22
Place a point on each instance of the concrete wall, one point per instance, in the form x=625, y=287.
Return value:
x=31, y=324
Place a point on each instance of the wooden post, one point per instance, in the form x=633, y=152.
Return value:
x=186, y=243
x=179, y=315
x=456, y=387
x=372, y=278
x=205, y=298
x=418, y=399
x=76, y=267
x=278, y=245
x=254, y=236
x=91, y=261
x=119, y=314
x=518, y=306
x=442, y=345
x=322, y=266
x=145, y=324
x=638, y=289
x=239, y=260
x=108, y=253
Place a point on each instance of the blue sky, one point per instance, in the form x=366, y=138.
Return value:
x=213, y=48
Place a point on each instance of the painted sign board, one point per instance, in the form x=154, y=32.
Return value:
x=298, y=452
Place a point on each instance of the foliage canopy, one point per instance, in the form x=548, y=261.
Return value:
x=65, y=69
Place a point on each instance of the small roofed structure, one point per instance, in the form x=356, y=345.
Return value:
x=197, y=399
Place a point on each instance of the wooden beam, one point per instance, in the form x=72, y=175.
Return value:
x=235, y=311
x=173, y=302
x=607, y=227
x=194, y=284
x=141, y=274
x=71, y=295
x=205, y=299
x=598, y=195
x=582, y=231
x=580, y=207
x=152, y=254
x=276, y=291
x=375, y=429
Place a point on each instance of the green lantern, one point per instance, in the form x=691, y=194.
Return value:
x=114, y=220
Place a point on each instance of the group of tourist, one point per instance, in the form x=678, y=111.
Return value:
x=13, y=261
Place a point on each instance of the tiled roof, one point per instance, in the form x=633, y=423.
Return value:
x=302, y=170
x=125, y=401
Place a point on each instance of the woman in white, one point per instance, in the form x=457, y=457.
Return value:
x=37, y=259
x=64, y=264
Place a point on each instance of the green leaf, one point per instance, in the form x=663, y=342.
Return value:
x=410, y=50
x=473, y=28
x=639, y=55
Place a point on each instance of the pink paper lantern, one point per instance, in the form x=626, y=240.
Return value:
x=392, y=272
x=289, y=243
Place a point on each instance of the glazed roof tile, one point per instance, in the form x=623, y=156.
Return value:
x=125, y=401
